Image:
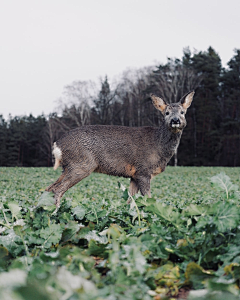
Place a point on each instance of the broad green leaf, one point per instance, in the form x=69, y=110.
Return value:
x=79, y=212
x=70, y=230
x=15, y=210
x=102, y=213
x=231, y=254
x=18, y=230
x=145, y=202
x=97, y=249
x=223, y=182
x=165, y=211
x=12, y=242
x=226, y=216
x=233, y=269
x=92, y=235
x=196, y=276
x=196, y=210
x=46, y=199
x=51, y=234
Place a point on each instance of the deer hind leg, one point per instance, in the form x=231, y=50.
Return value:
x=66, y=183
x=51, y=186
x=69, y=178
x=143, y=182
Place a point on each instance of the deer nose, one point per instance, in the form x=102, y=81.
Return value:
x=175, y=120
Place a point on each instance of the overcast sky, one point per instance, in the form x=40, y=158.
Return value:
x=47, y=44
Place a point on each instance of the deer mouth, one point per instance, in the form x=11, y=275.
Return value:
x=175, y=125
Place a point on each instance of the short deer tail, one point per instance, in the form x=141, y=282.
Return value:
x=58, y=156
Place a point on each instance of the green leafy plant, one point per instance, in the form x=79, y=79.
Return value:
x=102, y=245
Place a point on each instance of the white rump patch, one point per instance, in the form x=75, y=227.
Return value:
x=57, y=152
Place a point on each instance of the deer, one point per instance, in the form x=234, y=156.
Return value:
x=138, y=153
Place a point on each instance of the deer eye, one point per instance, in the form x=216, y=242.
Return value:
x=182, y=112
x=167, y=113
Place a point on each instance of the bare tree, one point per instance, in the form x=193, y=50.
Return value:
x=132, y=92
x=75, y=104
x=51, y=133
x=74, y=109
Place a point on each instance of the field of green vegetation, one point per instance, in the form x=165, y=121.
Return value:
x=97, y=246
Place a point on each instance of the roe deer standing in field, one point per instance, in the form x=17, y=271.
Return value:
x=139, y=153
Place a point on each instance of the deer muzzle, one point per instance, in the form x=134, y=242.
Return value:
x=175, y=122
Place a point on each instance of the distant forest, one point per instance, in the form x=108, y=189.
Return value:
x=211, y=138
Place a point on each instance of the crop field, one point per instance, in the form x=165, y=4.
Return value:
x=103, y=245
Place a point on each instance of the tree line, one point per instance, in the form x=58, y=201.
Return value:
x=211, y=138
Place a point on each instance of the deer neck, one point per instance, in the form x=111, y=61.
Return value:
x=168, y=140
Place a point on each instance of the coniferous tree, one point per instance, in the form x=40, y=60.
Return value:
x=102, y=112
x=3, y=141
x=230, y=113
x=206, y=104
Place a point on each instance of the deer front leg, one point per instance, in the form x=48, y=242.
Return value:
x=143, y=182
x=133, y=189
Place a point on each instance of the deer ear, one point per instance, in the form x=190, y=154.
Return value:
x=159, y=103
x=187, y=100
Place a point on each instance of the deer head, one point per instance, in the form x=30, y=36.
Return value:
x=174, y=113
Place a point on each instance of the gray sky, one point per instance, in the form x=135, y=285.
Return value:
x=47, y=44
